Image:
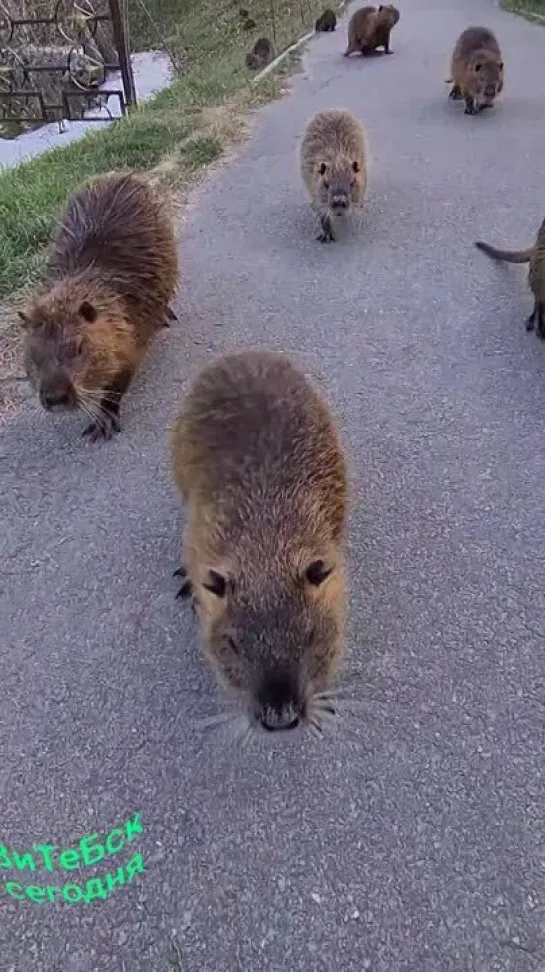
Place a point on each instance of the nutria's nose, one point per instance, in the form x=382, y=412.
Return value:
x=54, y=397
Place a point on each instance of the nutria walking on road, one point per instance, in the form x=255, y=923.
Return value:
x=110, y=277
x=261, y=54
x=476, y=69
x=333, y=161
x=258, y=461
x=327, y=21
x=370, y=28
x=535, y=256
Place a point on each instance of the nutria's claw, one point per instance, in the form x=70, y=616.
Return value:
x=470, y=110
x=181, y=572
x=103, y=430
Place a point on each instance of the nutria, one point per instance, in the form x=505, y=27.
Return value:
x=370, y=27
x=261, y=54
x=333, y=161
x=535, y=256
x=327, y=21
x=248, y=23
x=110, y=277
x=259, y=464
x=477, y=69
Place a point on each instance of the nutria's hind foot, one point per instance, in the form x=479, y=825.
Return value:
x=456, y=93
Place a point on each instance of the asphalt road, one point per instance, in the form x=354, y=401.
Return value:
x=413, y=839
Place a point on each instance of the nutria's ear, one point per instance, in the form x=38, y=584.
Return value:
x=356, y=166
x=88, y=312
x=216, y=583
x=317, y=572
x=323, y=167
x=23, y=318
x=381, y=7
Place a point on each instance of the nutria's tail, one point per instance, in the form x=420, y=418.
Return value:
x=508, y=256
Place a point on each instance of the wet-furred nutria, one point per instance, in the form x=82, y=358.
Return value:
x=333, y=162
x=370, y=28
x=261, y=54
x=110, y=277
x=535, y=256
x=476, y=69
x=259, y=464
x=327, y=21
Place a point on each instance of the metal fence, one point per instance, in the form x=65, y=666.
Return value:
x=55, y=55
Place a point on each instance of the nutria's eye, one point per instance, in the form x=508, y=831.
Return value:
x=216, y=584
x=478, y=67
x=323, y=168
x=88, y=312
x=500, y=65
x=355, y=166
x=317, y=572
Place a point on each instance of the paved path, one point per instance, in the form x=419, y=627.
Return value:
x=414, y=839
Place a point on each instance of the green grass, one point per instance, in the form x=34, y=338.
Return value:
x=532, y=9
x=208, y=46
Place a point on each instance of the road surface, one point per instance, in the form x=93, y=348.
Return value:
x=413, y=839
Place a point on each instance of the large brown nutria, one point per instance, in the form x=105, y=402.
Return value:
x=476, y=69
x=535, y=256
x=327, y=21
x=261, y=54
x=258, y=461
x=110, y=277
x=333, y=160
x=370, y=28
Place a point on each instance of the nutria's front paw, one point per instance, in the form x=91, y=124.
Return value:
x=470, y=110
x=103, y=429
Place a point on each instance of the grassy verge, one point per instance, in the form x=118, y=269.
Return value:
x=532, y=9
x=189, y=124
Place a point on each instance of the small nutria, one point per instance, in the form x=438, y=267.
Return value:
x=260, y=467
x=327, y=21
x=333, y=162
x=261, y=54
x=248, y=23
x=476, y=69
x=535, y=256
x=370, y=27
x=110, y=277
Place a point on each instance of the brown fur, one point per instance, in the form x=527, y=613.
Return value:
x=535, y=256
x=258, y=462
x=370, y=28
x=261, y=54
x=333, y=161
x=477, y=69
x=110, y=277
x=327, y=21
